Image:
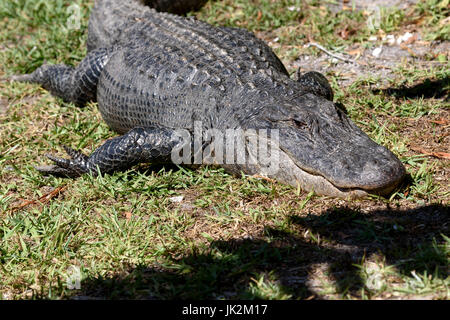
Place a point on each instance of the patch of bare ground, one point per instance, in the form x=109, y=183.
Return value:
x=379, y=62
x=378, y=57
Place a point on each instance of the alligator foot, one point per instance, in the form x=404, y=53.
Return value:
x=120, y=153
x=77, y=85
x=77, y=165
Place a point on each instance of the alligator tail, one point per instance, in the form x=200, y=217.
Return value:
x=109, y=17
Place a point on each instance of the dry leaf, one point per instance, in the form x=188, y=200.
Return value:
x=355, y=52
x=411, y=39
x=127, y=215
x=440, y=155
x=440, y=121
x=410, y=51
x=344, y=34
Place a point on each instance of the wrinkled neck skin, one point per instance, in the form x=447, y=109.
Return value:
x=318, y=148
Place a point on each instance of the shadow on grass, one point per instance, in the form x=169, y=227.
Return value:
x=409, y=239
x=427, y=89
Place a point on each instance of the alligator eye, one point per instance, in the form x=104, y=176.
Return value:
x=298, y=124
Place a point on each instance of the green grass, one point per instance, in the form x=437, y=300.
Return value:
x=229, y=237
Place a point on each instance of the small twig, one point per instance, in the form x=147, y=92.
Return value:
x=442, y=121
x=43, y=199
x=318, y=46
x=439, y=155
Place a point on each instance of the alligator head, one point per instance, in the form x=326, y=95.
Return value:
x=320, y=149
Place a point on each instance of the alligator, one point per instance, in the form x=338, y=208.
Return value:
x=155, y=74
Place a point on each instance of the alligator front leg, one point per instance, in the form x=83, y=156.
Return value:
x=77, y=85
x=136, y=146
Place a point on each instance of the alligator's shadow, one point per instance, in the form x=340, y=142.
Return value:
x=429, y=88
x=404, y=238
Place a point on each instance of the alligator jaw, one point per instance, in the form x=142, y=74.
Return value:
x=290, y=173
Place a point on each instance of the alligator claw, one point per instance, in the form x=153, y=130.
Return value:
x=56, y=171
x=37, y=76
x=73, y=167
x=29, y=77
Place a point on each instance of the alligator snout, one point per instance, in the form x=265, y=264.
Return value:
x=382, y=172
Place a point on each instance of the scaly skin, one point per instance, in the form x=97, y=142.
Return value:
x=110, y=17
x=158, y=73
